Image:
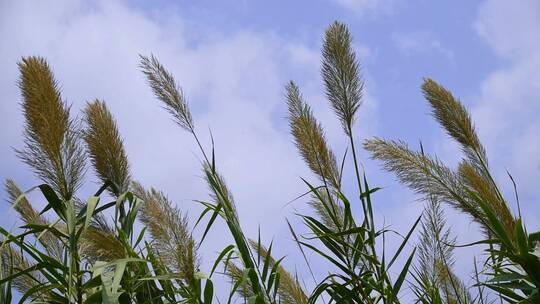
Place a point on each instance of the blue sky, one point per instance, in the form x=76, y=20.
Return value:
x=234, y=57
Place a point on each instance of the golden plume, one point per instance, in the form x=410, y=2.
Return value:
x=27, y=213
x=52, y=145
x=426, y=176
x=309, y=138
x=435, y=256
x=219, y=192
x=473, y=170
x=290, y=291
x=171, y=238
x=167, y=90
x=13, y=262
x=105, y=146
x=98, y=244
x=341, y=74
x=236, y=274
x=454, y=118
x=328, y=210
x=476, y=183
x=452, y=287
x=30, y=216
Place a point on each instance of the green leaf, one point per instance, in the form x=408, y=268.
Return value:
x=521, y=236
x=208, y=292
x=90, y=207
x=402, y=275
x=226, y=250
x=405, y=240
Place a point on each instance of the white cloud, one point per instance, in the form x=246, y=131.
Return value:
x=234, y=84
x=510, y=28
x=507, y=106
x=505, y=111
x=421, y=42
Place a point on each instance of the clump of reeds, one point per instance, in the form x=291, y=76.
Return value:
x=470, y=189
x=72, y=252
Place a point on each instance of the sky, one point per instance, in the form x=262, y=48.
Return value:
x=233, y=58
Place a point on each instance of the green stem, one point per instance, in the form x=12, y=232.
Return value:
x=357, y=171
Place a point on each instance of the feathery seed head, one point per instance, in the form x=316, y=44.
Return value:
x=47, y=118
x=436, y=279
x=473, y=171
x=341, y=74
x=219, y=191
x=170, y=233
x=101, y=245
x=289, y=290
x=52, y=146
x=29, y=215
x=435, y=244
x=327, y=209
x=167, y=90
x=105, y=146
x=484, y=189
x=425, y=175
x=309, y=138
x=454, y=118
x=12, y=261
x=236, y=274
